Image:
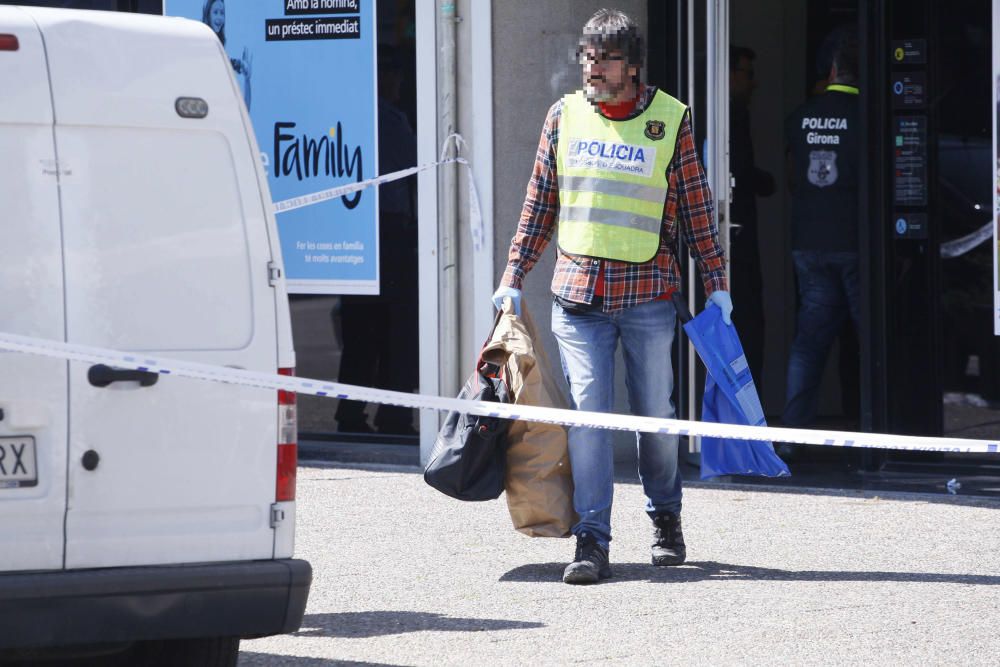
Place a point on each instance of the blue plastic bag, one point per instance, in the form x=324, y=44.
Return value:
x=730, y=398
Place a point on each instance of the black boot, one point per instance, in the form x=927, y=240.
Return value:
x=590, y=564
x=668, y=540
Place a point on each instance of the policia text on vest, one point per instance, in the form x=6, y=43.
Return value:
x=822, y=140
x=613, y=178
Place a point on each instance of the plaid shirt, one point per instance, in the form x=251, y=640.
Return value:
x=625, y=284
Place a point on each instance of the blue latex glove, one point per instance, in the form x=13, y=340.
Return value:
x=722, y=299
x=513, y=293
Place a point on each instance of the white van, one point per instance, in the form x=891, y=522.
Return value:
x=139, y=512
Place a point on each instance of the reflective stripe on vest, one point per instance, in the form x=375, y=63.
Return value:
x=613, y=178
x=568, y=184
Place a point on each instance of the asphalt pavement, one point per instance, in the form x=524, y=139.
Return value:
x=406, y=576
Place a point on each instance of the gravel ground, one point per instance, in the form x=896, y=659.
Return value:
x=406, y=576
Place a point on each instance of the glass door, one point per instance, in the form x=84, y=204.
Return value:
x=702, y=79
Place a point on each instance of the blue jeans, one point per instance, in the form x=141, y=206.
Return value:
x=829, y=292
x=587, y=343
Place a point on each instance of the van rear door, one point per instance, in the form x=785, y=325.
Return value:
x=166, y=255
x=32, y=389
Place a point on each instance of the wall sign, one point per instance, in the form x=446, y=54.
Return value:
x=909, y=181
x=910, y=225
x=909, y=52
x=307, y=72
x=908, y=90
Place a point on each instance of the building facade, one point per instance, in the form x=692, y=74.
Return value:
x=924, y=359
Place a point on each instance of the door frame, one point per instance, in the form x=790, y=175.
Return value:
x=427, y=215
x=711, y=109
x=477, y=128
x=873, y=183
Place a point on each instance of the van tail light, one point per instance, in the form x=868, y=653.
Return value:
x=8, y=43
x=288, y=448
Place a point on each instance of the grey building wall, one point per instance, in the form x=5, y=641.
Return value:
x=532, y=68
x=463, y=47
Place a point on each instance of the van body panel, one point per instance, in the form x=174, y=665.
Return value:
x=166, y=254
x=264, y=204
x=284, y=532
x=33, y=389
x=156, y=500
x=27, y=98
x=110, y=69
x=148, y=272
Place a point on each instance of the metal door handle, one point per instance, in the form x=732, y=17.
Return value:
x=102, y=376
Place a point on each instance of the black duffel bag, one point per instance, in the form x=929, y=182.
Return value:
x=468, y=460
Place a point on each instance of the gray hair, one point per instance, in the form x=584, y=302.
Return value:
x=613, y=29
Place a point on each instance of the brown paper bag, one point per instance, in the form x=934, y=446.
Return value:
x=539, y=483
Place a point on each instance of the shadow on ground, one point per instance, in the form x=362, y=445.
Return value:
x=696, y=571
x=379, y=623
x=248, y=658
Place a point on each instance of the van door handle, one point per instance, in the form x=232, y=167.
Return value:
x=102, y=376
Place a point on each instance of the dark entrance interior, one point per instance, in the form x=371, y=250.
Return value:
x=372, y=340
x=924, y=360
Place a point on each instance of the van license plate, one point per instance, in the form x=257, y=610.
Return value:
x=18, y=465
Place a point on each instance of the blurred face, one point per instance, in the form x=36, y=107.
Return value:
x=742, y=81
x=217, y=15
x=607, y=75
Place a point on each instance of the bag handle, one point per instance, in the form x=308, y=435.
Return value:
x=487, y=368
x=680, y=305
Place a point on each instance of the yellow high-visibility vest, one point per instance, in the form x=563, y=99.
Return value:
x=613, y=178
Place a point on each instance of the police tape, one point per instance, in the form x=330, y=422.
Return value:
x=577, y=418
x=475, y=210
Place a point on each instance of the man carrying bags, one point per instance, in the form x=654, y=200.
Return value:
x=616, y=170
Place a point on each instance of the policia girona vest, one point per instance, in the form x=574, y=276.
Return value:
x=613, y=178
x=824, y=143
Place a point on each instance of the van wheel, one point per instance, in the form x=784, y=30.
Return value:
x=210, y=652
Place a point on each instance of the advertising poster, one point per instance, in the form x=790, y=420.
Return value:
x=306, y=69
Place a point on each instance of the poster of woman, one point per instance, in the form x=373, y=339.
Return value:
x=312, y=66
x=213, y=14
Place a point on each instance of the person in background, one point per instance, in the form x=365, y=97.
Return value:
x=823, y=153
x=616, y=179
